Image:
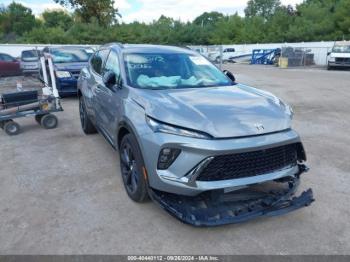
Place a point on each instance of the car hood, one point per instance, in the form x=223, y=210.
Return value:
x=222, y=112
x=70, y=66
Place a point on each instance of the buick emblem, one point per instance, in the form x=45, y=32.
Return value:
x=259, y=127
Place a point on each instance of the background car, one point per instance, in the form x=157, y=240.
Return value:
x=9, y=66
x=68, y=62
x=30, y=61
x=227, y=53
x=340, y=55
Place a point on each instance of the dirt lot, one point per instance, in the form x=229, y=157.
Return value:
x=61, y=191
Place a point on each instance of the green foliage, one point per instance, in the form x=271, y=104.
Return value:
x=15, y=20
x=93, y=22
x=208, y=19
x=263, y=8
x=57, y=18
x=45, y=35
x=87, y=10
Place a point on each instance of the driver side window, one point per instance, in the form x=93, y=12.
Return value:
x=112, y=64
x=98, y=59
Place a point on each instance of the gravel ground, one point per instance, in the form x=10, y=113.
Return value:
x=61, y=191
x=9, y=84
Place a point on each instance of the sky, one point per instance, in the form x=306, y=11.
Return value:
x=149, y=10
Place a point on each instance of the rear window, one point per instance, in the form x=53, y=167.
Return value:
x=70, y=55
x=30, y=55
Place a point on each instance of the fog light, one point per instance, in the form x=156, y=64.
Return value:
x=167, y=156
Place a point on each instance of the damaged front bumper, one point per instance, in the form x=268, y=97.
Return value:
x=214, y=208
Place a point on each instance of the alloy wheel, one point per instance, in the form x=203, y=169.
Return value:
x=129, y=168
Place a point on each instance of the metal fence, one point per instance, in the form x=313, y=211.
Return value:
x=299, y=54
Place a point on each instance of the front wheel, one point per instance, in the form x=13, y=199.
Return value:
x=86, y=124
x=133, y=169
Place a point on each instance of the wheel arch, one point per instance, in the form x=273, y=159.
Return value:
x=125, y=127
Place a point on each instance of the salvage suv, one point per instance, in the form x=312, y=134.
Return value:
x=210, y=151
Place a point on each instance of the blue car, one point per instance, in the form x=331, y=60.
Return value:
x=68, y=61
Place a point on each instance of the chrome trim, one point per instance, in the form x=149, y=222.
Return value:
x=192, y=176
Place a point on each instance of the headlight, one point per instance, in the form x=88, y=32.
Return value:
x=157, y=126
x=331, y=59
x=63, y=74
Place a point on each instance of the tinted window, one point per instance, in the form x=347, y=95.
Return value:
x=7, y=58
x=112, y=63
x=98, y=60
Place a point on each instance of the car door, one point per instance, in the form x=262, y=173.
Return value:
x=11, y=65
x=109, y=99
x=92, y=80
x=3, y=68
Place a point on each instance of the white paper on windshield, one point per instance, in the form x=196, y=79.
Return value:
x=199, y=60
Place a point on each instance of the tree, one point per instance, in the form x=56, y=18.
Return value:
x=263, y=8
x=87, y=10
x=208, y=18
x=342, y=18
x=315, y=21
x=57, y=18
x=17, y=19
x=228, y=30
x=43, y=35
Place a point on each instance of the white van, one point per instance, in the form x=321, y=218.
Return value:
x=340, y=55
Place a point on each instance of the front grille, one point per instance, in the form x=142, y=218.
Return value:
x=75, y=74
x=249, y=164
x=343, y=60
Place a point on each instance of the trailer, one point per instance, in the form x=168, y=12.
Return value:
x=265, y=56
x=31, y=103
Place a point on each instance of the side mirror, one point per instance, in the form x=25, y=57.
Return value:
x=329, y=53
x=230, y=75
x=109, y=79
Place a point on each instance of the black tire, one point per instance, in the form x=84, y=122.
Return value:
x=49, y=121
x=133, y=169
x=329, y=67
x=86, y=124
x=12, y=128
x=38, y=118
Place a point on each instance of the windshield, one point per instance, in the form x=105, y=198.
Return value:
x=170, y=71
x=30, y=55
x=70, y=55
x=341, y=49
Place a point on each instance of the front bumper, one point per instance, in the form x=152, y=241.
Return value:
x=339, y=64
x=67, y=86
x=193, y=151
x=216, y=208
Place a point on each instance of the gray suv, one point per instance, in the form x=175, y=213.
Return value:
x=186, y=131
